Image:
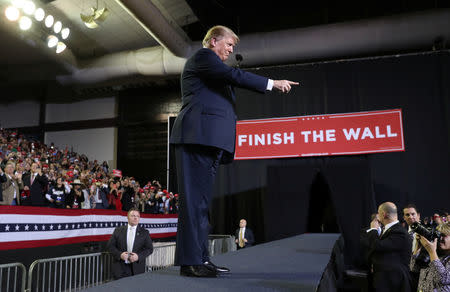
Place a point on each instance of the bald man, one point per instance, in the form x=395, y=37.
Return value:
x=389, y=251
x=244, y=235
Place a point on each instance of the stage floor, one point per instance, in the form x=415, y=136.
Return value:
x=291, y=264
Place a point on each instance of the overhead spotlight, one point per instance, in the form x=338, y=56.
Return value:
x=39, y=14
x=12, y=13
x=65, y=33
x=25, y=23
x=57, y=27
x=18, y=3
x=49, y=21
x=29, y=7
x=60, y=47
x=97, y=15
x=52, y=41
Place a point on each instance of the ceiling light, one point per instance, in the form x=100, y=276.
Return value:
x=12, y=13
x=97, y=15
x=52, y=41
x=18, y=3
x=29, y=7
x=57, y=27
x=49, y=21
x=60, y=47
x=25, y=23
x=39, y=14
x=65, y=33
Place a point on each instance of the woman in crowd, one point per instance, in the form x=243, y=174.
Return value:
x=114, y=196
x=57, y=194
x=76, y=196
x=436, y=276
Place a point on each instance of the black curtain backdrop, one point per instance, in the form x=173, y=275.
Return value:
x=416, y=83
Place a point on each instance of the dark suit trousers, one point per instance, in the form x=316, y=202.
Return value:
x=196, y=169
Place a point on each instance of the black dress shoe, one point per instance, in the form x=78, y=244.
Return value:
x=216, y=268
x=197, y=271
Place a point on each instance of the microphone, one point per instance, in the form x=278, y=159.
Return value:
x=239, y=59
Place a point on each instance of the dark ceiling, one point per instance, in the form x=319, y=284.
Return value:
x=261, y=16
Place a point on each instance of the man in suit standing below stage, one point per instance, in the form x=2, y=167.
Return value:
x=3, y=179
x=204, y=136
x=37, y=184
x=130, y=245
x=244, y=235
x=389, y=252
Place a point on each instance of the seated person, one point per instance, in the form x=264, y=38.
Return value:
x=435, y=276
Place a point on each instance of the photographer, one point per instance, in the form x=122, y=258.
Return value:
x=436, y=275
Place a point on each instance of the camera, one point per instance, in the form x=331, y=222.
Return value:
x=429, y=233
x=423, y=259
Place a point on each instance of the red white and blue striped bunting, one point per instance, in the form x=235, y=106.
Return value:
x=28, y=227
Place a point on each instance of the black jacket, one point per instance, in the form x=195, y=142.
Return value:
x=2, y=180
x=37, y=189
x=248, y=235
x=389, y=256
x=143, y=247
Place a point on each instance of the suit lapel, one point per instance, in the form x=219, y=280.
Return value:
x=124, y=237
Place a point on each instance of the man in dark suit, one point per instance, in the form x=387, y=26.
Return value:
x=389, y=252
x=130, y=245
x=244, y=235
x=204, y=136
x=3, y=179
x=37, y=184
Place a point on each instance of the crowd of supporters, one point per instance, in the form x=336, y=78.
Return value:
x=36, y=174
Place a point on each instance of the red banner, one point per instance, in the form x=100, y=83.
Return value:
x=334, y=134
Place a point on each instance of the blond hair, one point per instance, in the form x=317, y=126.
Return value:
x=218, y=32
x=444, y=228
x=11, y=163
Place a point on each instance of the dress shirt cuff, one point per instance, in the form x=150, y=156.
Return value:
x=377, y=229
x=269, y=85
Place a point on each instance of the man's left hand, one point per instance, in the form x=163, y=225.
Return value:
x=134, y=257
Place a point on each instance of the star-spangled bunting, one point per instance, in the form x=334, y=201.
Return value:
x=88, y=225
x=34, y=229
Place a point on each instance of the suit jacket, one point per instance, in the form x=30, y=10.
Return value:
x=389, y=256
x=37, y=189
x=8, y=188
x=143, y=247
x=2, y=180
x=248, y=234
x=207, y=116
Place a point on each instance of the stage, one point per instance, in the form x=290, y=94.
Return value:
x=292, y=264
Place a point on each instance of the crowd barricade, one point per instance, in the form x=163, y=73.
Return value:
x=12, y=277
x=78, y=272
x=219, y=244
x=163, y=256
x=71, y=273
